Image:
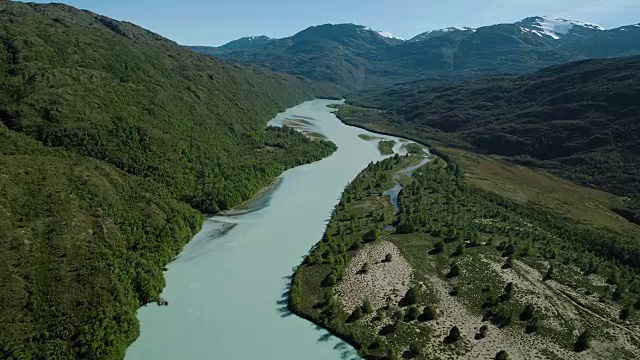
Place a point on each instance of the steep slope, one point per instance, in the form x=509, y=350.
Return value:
x=559, y=29
x=622, y=41
x=108, y=133
x=340, y=54
x=119, y=93
x=355, y=56
x=578, y=119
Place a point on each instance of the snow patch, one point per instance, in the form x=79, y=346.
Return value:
x=388, y=35
x=537, y=32
x=461, y=28
x=426, y=34
x=251, y=38
x=455, y=28
x=555, y=28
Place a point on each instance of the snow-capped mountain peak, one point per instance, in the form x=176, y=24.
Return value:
x=388, y=35
x=555, y=28
x=384, y=34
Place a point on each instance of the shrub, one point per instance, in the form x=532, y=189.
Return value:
x=625, y=313
x=367, y=308
x=502, y=316
x=583, y=342
x=617, y=294
x=438, y=247
x=459, y=250
x=527, y=313
x=532, y=325
x=414, y=350
x=509, y=250
x=371, y=235
x=410, y=298
x=330, y=280
x=454, y=335
x=412, y=314
x=366, y=267
x=482, y=332
x=428, y=313
x=509, y=263
x=549, y=274
x=454, y=270
x=355, y=315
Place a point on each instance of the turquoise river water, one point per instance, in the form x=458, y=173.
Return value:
x=226, y=289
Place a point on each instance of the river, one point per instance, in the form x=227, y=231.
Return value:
x=226, y=290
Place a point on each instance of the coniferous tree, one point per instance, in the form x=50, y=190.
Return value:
x=583, y=342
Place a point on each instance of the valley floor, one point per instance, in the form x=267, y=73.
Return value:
x=460, y=272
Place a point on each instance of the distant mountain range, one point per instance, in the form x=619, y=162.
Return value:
x=355, y=56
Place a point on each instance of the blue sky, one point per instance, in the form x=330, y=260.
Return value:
x=215, y=22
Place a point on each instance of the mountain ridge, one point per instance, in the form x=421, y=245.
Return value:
x=354, y=56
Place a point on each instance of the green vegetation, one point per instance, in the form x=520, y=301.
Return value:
x=354, y=56
x=525, y=185
x=83, y=246
x=110, y=137
x=576, y=120
x=147, y=106
x=584, y=341
x=386, y=147
x=460, y=237
x=367, y=137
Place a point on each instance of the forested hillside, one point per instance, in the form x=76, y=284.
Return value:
x=579, y=120
x=110, y=136
x=356, y=57
x=455, y=272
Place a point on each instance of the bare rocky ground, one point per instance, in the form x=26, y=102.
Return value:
x=386, y=282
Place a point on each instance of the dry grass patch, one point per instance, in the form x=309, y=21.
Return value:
x=526, y=185
x=382, y=282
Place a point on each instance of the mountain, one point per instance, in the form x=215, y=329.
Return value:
x=389, y=35
x=461, y=31
x=251, y=42
x=579, y=120
x=559, y=29
x=112, y=140
x=355, y=56
x=245, y=43
x=340, y=54
x=622, y=41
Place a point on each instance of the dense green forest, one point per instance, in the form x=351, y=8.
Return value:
x=111, y=139
x=474, y=256
x=578, y=120
x=119, y=93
